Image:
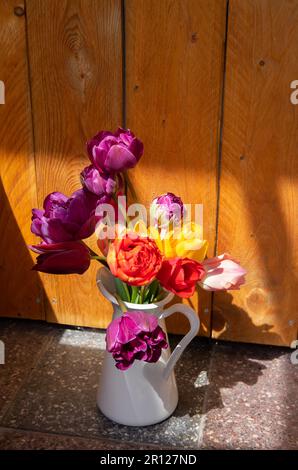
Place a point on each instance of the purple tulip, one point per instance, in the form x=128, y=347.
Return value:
x=114, y=152
x=135, y=335
x=62, y=258
x=65, y=219
x=168, y=207
x=99, y=183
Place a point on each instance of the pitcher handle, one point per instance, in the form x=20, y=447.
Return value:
x=194, y=328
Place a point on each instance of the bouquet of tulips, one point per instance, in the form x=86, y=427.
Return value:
x=147, y=261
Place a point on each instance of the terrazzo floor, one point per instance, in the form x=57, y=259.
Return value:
x=232, y=396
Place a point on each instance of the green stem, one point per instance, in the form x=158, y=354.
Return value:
x=142, y=292
x=134, y=294
x=93, y=255
x=153, y=290
x=160, y=296
x=123, y=213
x=130, y=186
x=121, y=303
x=101, y=260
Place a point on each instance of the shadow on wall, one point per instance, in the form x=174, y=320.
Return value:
x=22, y=293
x=226, y=321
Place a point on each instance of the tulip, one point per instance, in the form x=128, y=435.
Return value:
x=96, y=182
x=65, y=219
x=222, y=273
x=167, y=208
x=62, y=258
x=135, y=336
x=185, y=243
x=135, y=260
x=99, y=183
x=114, y=152
x=180, y=276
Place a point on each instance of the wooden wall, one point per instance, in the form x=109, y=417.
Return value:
x=72, y=67
x=20, y=289
x=76, y=86
x=173, y=103
x=258, y=207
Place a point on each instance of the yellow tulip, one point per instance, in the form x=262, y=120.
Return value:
x=190, y=243
x=184, y=243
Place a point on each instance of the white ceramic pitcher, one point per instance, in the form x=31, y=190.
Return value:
x=146, y=393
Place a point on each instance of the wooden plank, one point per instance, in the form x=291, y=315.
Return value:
x=76, y=73
x=174, y=62
x=21, y=293
x=258, y=217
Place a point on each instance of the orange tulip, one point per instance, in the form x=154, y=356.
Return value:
x=135, y=260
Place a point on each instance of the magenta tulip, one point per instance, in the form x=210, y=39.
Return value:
x=222, y=273
x=61, y=258
x=167, y=208
x=99, y=183
x=135, y=335
x=114, y=152
x=66, y=218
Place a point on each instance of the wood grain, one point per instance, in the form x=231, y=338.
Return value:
x=76, y=76
x=258, y=216
x=21, y=293
x=174, y=63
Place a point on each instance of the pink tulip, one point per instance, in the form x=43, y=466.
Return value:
x=222, y=273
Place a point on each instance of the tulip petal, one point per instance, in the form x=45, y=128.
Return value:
x=136, y=147
x=144, y=321
x=118, y=158
x=112, y=334
x=135, y=335
x=62, y=258
x=222, y=273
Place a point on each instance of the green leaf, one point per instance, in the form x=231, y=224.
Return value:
x=147, y=293
x=129, y=290
x=134, y=294
x=160, y=296
x=122, y=290
x=153, y=289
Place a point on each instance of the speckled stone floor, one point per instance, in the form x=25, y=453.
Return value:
x=232, y=396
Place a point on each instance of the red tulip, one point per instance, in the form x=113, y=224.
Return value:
x=180, y=275
x=62, y=258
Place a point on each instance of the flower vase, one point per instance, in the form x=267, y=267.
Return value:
x=146, y=393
